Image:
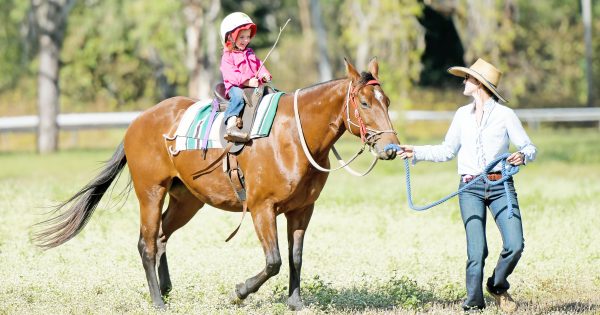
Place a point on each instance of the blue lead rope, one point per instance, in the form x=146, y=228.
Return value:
x=508, y=170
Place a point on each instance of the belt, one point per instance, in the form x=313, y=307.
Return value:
x=493, y=176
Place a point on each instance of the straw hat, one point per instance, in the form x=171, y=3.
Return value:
x=484, y=72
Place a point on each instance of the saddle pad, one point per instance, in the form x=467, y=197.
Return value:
x=193, y=124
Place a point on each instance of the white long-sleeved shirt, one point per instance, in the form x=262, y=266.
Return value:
x=477, y=145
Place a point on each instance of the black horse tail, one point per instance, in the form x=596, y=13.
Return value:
x=80, y=207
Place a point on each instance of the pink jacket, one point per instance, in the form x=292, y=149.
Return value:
x=239, y=66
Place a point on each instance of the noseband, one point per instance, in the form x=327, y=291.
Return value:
x=366, y=134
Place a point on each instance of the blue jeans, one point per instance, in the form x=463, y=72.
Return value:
x=236, y=103
x=473, y=204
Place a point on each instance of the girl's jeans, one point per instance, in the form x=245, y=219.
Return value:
x=473, y=204
x=236, y=103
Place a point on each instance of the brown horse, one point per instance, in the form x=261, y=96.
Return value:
x=279, y=178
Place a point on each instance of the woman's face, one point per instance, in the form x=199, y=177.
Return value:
x=471, y=85
x=243, y=39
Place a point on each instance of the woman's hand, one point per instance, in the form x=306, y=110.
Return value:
x=266, y=78
x=407, y=151
x=516, y=159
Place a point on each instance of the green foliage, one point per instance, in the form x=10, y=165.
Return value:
x=126, y=55
x=539, y=44
x=549, y=70
x=12, y=46
x=396, y=292
x=392, y=33
x=112, y=50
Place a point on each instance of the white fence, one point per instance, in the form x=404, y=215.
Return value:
x=70, y=121
x=123, y=119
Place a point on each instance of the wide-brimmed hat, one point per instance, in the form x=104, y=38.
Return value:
x=484, y=72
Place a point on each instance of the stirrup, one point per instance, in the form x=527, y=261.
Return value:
x=233, y=135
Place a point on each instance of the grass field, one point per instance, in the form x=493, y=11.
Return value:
x=365, y=250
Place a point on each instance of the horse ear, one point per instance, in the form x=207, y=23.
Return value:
x=351, y=71
x=374, y=67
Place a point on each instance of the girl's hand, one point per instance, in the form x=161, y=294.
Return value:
x=266, y=78
x=407, y=151
x=253, y=82
x=516, y=159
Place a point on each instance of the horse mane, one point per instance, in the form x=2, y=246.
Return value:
x=364, y=78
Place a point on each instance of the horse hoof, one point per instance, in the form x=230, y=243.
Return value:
x=166, y=290
x=295, y=304
x=234, y=299
x=160, y=306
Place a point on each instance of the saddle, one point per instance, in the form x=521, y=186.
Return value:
x=252, y=97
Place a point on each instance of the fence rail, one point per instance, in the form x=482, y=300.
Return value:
x=123, y=119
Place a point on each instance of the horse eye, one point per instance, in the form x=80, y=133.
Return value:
x=364, y=104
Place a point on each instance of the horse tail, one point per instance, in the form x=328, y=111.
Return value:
x=80, y=207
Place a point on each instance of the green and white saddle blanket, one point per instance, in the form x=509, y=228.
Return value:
x=192, y=129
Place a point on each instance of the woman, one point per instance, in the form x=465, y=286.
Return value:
x=479, y=133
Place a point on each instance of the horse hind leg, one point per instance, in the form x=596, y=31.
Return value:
x=297, y=223
x=151, y=198
x=182, y=207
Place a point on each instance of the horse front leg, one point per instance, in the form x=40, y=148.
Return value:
x=297, y=222
x=266, y=229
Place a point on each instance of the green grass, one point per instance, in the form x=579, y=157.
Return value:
x=365, y=250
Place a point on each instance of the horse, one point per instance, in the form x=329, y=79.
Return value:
x=278, y=176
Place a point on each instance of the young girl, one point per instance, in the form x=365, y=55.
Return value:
x=479, y=133
x=240, y=68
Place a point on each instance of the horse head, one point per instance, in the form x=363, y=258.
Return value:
x=366, y=110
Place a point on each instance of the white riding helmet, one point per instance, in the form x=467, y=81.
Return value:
x=233, y=21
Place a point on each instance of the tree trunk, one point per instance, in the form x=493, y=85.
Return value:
x=325, y=72
x=51, y=19
x=210, y=63
x=201, y=60
x=481, y=22
x=586, y=8
x=165, y=89
x=364, y=23
x=48, y=95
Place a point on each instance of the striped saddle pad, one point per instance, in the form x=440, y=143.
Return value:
x=192, y=129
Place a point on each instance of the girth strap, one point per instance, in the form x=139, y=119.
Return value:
x=208, y=169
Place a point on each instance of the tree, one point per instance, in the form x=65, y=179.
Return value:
x=201, y=40
x=51, y=21
x=314, y=34
x=586, y=7
x=122, y=55
x=389, y=30
x=13, y=51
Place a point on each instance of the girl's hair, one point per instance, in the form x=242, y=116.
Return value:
x=229, y=45
x=230, y=42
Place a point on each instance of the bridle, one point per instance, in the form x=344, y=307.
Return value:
x=366, y=134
